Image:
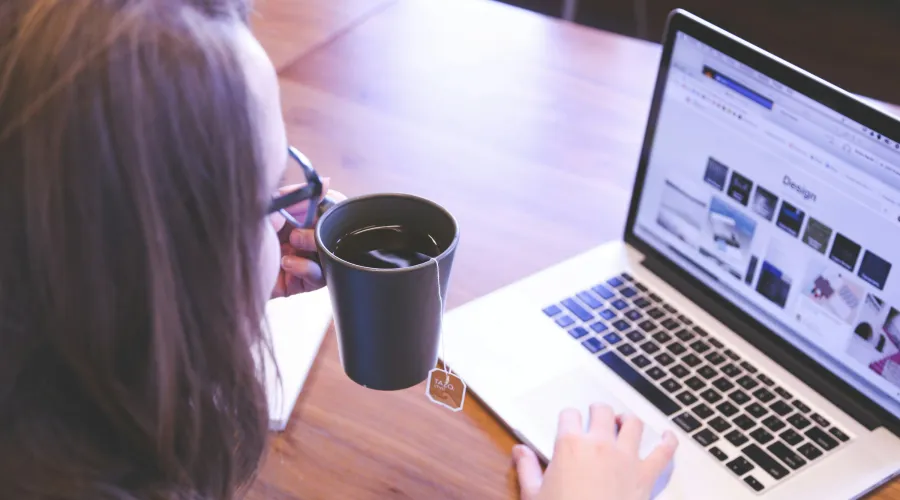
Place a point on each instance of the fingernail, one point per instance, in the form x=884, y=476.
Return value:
x=670, y=437
x=289, y=262
x=518, y=452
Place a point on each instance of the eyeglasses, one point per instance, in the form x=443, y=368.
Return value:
x=311, y=192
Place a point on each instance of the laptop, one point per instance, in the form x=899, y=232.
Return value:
x=752, y=305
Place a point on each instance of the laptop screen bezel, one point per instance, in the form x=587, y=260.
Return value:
x=860, y=406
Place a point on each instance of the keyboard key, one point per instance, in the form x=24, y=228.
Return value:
x=799, y=421
x=639, y=383
x=648, y=326
x=690, y=360
x=565, y=321
x=782, y=408
x=640, y=286
x=731, y=370
x=612, y=338
x=706, y=437
x=635, y=336
x=819, y=420
x=655, y=313
x=822, y=439
x=578, y=332
x=727, y=409
x=719, y=424
x=747, y=366
x=626, y=277
x=736, y=438
x=576, y=309
x=687, y=422
x=710, y=396
x=677, y=349
x=670, y=324
x=633, y=315
x=801, y=407
x=656, y=373
x=640, y=361
x=607, y=314
x=627, y=349
x=761, y=435
x=628, y=292
x=766, y=380
x=684, y=319
x=791, y=437
x=744, y=422
x=684, y=335
x=599, y=327
x=756, y=409
x=733, y=355
x=773, y=423
x=715, y=358
x=670, y=309
x=670, y=385
x=655, y=298
x=703, y=411
x=664, y=359
x=786, y=455
x=700, y=331
x=723, y=384
x=719, y=454
x=707, y=372
x=763, y=395
x=695, y=383
x=747, y=382
x=783, y=393
x=739, y=397
x=679, y=371
x=615, y=282
x=809, y=451
x=552, y=310
x=754, y=483
x=661, y=337
x=686, y=398
x=590, y=299
x=619, y=304
x=642, y=302
x=649, y=347
x=593, y=344
x=714, y=342
x=740, y=466
x=603, y=292
x=839, y=434
x=765, y=461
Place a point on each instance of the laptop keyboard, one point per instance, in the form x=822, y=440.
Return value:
x=754, y=427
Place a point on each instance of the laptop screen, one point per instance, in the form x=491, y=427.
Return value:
x=784, y=207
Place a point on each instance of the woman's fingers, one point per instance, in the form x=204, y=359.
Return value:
x=657, y=461
x=303, y=239
x=570, y=422
x=630, y=433
x=603, y=421
x=529, y=471
x=301, y=275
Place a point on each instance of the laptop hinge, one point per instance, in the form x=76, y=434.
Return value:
x=792, y=359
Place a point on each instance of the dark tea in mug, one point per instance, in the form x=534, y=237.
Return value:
x=387, y=247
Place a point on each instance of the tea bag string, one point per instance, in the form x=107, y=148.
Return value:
x=437, y=268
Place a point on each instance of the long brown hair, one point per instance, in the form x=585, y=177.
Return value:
x=132, y=199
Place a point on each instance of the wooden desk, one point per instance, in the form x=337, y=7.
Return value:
x=527, y=135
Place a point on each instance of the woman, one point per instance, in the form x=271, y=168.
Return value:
x=140, y=142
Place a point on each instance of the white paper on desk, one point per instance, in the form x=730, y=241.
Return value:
x=297, y=326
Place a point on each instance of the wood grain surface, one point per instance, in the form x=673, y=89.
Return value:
x=528, y=129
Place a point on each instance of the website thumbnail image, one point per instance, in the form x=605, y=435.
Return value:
x=810, y=273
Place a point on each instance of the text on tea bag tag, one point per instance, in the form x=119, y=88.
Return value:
x=444, y=387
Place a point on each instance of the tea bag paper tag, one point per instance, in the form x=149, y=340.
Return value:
x=446, y=389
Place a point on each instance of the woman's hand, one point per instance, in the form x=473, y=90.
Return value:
x=300, y=271
x=597, y=464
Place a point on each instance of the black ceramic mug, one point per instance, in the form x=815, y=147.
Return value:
x=387, y=320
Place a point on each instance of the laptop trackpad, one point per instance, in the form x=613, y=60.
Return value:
x=537, y=410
